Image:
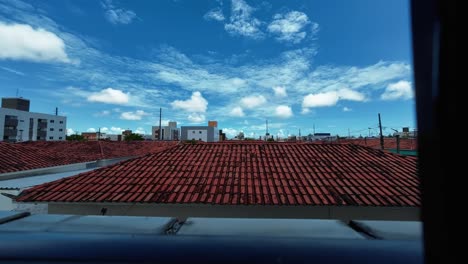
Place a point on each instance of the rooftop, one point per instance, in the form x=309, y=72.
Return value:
x=42, y=154
x=246, y=174
x=389, y=143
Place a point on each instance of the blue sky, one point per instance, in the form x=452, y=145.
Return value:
x=112, y=64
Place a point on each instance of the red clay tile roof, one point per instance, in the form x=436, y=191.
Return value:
x=247, y=174
x=41, y=154
x=389, y=143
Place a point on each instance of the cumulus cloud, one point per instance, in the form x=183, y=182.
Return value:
x=214, y=14
x=347, y=109
x=91, y=129
x=140, y=130
x=280, y=91
x=196, y=118
x=70, y=131
x=320, y=99
x=253, y=101
x=230, y=132
x=117, y=15
x=399, y=90
x=330, y=98
x=22, y=42
x=351, y=95
x=237, y=112
x=137, y=115
x=109, y=96
x=113, y=130
x=241, y=21
x=283, y=111
x=291, y=27
x=196, y=103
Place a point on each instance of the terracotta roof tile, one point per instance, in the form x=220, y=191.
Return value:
x=42, y=154
x=248, y=174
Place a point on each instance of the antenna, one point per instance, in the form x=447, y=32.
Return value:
x=160, y=116
x=381, y=135
x=267, y=128
x=56, y=111
x=17, y=92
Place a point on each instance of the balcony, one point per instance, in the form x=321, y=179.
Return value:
x=41, y=125
x=42, y=134
x=10, y=132
x=11, y=122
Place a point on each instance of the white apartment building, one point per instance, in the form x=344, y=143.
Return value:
x=18, y=124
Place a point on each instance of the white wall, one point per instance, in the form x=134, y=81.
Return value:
x=197, y=134
x=23, y=123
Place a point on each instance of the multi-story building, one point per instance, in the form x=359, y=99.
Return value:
x=18, y=124
x=169, y=132
x=202, y=133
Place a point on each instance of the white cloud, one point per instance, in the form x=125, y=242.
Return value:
x=253, y=101
x=320, y=99
x=347, y=109
x=280, y=91
x=109, y=96
x=214, y=14
x=305, y=111
x=230, y=132
x=112, y=130
x=196, y=118
x=70, y=131
x=351, y=95
x=291, y=27
x=140, y=130
x=330, y=98
x=237, y=112
x=117, y=15
x=22, y=42
x=242, y=23
x=196, y=103
x=137, y=115
x=399, y=90
x=283, y=111
x=91, y=129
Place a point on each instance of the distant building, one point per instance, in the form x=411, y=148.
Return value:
x=321, y=136
x=222, y=136
x=202, y=133
x=94, y=136
x=16, y=103
x=406, y=133
x=18, y=124
x=114, y=137
x=213, y=123
x=169, y=132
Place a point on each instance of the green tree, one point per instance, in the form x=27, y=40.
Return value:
x=75, y=137
x=133, y=137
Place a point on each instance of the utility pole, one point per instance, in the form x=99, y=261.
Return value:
x=369, y=131
x=99, y=134
x=381, y=135
x=314, y=129
x=160, y=116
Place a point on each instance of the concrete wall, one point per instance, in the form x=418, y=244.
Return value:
x=59, y=123
x=208, y=134
x=183, y=211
